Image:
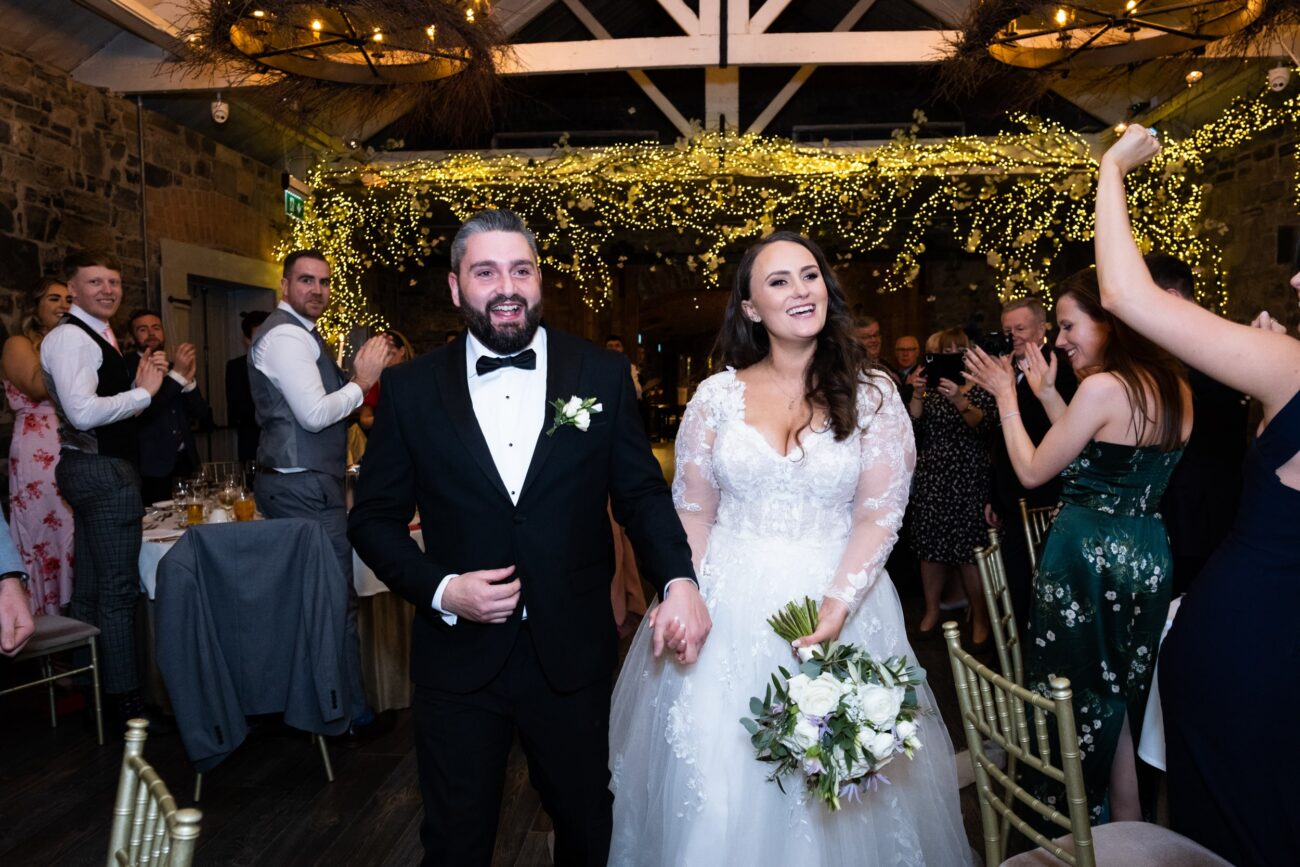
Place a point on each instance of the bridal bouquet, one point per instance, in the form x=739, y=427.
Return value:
x=841, y=719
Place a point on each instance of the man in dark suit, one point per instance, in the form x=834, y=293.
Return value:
x=166, y=427
x=514, y=632
x=1200, y=504
x=241, y=412
x=1025, y=320
x=907, y=357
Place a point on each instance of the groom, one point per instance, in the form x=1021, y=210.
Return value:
x=513, y=630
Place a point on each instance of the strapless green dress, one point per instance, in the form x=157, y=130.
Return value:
x=1100, y=600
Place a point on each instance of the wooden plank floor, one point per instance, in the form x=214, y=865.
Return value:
x=269, y=804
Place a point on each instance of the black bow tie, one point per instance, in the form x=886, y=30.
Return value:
x=526, y=360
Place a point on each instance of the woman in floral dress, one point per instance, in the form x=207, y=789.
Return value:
x=41, y=522
x=1103, y=584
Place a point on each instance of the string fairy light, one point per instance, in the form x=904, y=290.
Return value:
x=1016, y=198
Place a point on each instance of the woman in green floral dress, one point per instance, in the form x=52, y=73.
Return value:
x=1103, y=584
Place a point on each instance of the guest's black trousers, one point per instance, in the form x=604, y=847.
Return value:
x=462, y=744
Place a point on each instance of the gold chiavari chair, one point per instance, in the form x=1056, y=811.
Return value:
x=1037, y=521
x=148, y=829
x=54, y=634
x=1002, y=619
x=995, y=709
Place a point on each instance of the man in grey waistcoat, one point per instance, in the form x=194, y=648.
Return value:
x=303, y=401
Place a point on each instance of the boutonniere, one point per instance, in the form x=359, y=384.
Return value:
x=577, y=411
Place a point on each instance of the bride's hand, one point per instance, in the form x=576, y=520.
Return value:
x=830, y=620
x=1136, y=146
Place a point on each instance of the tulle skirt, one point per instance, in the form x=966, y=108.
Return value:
x=688, y=790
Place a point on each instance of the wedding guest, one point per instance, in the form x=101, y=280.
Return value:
x=403, y=353
x=241, y=414
x=1025, y=320
x=42, y=521
x=1200, y=504
x=98, y=399
x=303, y=402
x=951, y=485
x=166, y=427
x=1103, y=584
x=867, y=330
x=907, y=356
x=1233, y=643
x=16, y=624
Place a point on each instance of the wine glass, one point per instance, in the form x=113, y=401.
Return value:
x=229, y=492
x=181, y=493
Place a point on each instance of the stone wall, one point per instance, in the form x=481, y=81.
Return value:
x=70, y=176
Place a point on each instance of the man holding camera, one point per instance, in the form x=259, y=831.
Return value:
x=1024, y=320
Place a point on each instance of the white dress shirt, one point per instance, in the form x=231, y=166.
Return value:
x=287, y=355
x=510, y=405
x=72, y=360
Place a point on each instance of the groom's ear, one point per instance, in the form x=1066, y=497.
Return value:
x=454, y=285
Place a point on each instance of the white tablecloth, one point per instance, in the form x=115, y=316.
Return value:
x=1151, y=747
x=152, y=551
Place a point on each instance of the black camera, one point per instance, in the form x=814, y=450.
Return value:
x=996, y=343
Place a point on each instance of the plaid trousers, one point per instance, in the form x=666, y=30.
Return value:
x=104, y=494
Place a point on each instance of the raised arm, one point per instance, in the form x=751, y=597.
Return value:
x=1255, y=361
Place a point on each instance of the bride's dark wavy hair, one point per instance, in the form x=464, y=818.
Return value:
x=839, y=362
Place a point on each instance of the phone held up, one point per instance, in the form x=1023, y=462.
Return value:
x=952, y=365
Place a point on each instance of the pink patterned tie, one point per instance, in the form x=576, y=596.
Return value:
x=111, y=338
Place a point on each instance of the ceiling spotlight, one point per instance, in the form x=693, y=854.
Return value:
x=1062, y=17
x=1194, y=76
x=469, y=15
x=258, y=13
x=1278, y=78
x=1120, y=127
x=317, y=25
x=431, y=31
x=1130, y=5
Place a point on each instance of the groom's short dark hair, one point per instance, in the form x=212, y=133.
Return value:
x=488, y=221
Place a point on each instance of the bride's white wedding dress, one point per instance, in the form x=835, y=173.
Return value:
x=766, y=529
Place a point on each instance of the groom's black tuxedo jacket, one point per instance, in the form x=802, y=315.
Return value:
x=426, y=450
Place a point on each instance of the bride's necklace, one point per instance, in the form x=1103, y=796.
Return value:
x=798, y=397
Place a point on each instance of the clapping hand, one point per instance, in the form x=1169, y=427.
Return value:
x=371, y=359
x=994, y=375
x=1136, y=146
x=151, y=371
x=186, y=361
x=681, y=622
x=1040, y=373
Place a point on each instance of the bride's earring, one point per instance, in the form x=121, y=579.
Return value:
x=753, y=316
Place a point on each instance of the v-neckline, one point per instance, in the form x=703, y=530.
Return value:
x=744, y=422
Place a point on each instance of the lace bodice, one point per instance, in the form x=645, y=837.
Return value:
x=850, y=494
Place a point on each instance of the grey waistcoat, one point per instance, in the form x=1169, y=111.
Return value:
x=284, y=442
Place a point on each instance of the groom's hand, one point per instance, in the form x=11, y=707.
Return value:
x=681, y=622
x=483, y=596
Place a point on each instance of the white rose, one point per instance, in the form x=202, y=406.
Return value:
x=597, y=408
x=804, y=735
x=583, y=419
x=880, y=704
x=879, y=744
x=906, y=729
x=796, y=686
x=821, y=696
x=572, y=406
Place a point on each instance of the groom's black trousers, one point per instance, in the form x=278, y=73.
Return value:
x=462, y=743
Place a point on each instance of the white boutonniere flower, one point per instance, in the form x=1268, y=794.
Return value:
x=576, y=412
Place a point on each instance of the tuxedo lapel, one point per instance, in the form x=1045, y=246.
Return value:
x=460, y=412
x=563, y=365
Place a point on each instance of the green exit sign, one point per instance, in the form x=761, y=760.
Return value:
x=294, y=204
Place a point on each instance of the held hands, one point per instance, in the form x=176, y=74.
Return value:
x=484, y=596
x=681, y=622
x=16, y=624
x=370, y=360
x=830, y=620
x=1136, y=146
x=186, y=361
x=1040, y=373
x=151, y=371
x=994, y=375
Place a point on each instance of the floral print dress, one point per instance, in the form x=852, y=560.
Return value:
x=1100, y=600
x=40, y=520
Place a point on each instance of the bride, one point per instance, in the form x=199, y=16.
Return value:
x=793, y=468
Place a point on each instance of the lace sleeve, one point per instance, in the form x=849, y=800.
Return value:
x=695, y=492
x=884, y=482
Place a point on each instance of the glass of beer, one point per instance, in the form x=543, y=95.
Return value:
x=245, y=507
x=194, y=511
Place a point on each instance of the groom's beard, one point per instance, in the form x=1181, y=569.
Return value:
x=504, y=339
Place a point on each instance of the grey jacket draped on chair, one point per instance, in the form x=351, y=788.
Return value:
x=250, y=621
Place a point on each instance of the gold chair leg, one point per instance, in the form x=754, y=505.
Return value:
x=47, y=671
x=94, y=679
x=325, y=757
